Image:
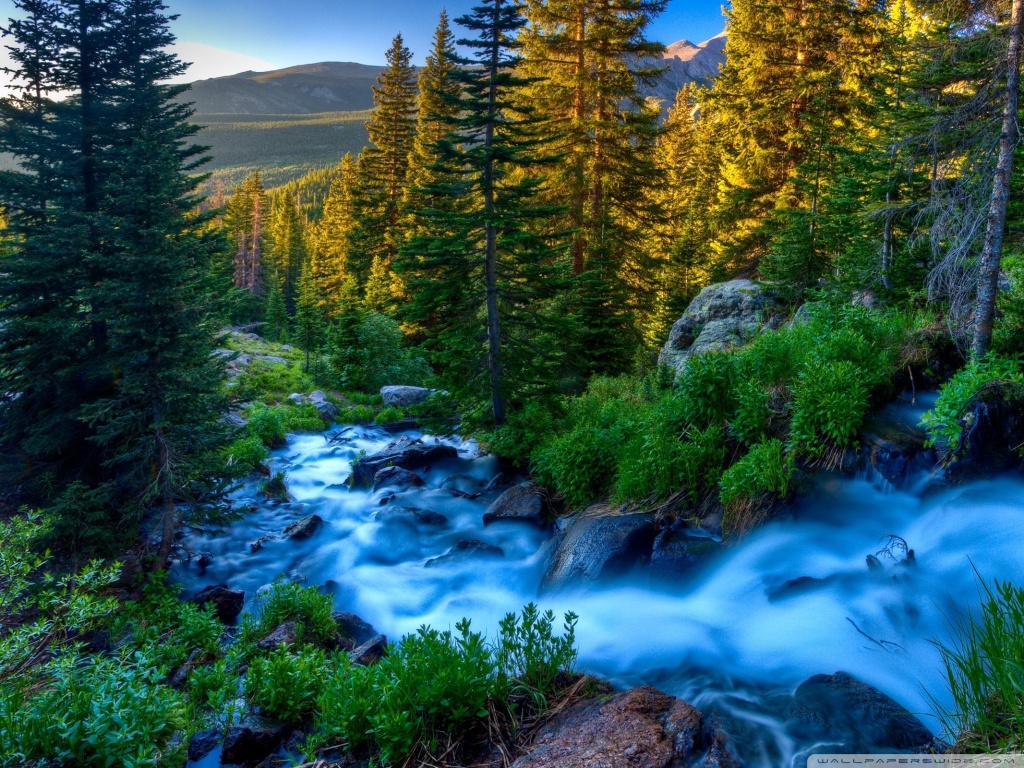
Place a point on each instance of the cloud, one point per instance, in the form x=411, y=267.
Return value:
x=209, y=61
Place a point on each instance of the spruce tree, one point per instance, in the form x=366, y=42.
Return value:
x=330, y=239
x=309, y=322
x=245, y=219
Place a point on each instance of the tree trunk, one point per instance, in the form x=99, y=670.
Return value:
x=991, y=255
x=491, y=254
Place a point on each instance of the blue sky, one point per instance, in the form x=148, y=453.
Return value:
x=228, y=36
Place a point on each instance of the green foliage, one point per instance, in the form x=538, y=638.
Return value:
x=244, y=455
x=270, y=382
x=524, y=431
x=1008, y=335
x=985, y=675
x=214, y=690
x=751, y=420
x=435, y=686
x=276, y=487
x=830, y=403
x=92, y=711
x=288, y=601
x=390, y=414
x=768, y=468
x=942, y=422
x=287, y=684
x=707, y=389
x=377, y=357
x=267, y=424
x=357, y=414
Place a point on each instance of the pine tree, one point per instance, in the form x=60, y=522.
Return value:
x=330, y=238
x=309, y=323
x=285, y=248
x=276, y=326
x=384, y=166
x=245, y=219
x=483, y=267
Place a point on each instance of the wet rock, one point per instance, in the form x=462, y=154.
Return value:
x=304, y=528
x=524, y=502
x=256, y=546
x=498, y=481
x=353, y=627
x=412, y=515
x=403, y=397
x=396, y=476
x=253, y=740
x=460, y=485
x=992, y=431
x=406, y=452
x=179, y=677
x=465, y=550
x=719, y=756
x=370, y=652
x=677, y=549
x=639, y=728
x=286, y=635
x=328, y=411
x=596, y=547
x=722, y=317
x=840, y=707
x=227, y=603
x=893, y=445
x=203, y=743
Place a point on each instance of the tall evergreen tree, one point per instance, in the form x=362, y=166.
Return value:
x=245, y=219
x=330, y=238
x=285, y=249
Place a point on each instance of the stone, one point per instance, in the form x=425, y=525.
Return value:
x=722, y=317
x=286, y=348
x=227, y=603
x=991, y=430
x=406, y=452
x=253, y=739
x=203, y=743
x=598, y=547
x=403, y=397
x=396, y=476
x=677, y=549
x=296, y=398
x=370, y=652
x=892, y=444
x=524, y=502
x=498, y=481
x=328, y=411
x=638, y=728
x=286, y=635
x=840, y=707
x=256, y=546
x=353, y=627
x=304, y=528
x=271, y=360
x=411, y=515
x=235, y=420
x=465, y=550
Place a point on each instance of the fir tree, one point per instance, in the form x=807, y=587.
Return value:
x=309, y=323
x=331, y=238
x=276, y=327
x=245, y=219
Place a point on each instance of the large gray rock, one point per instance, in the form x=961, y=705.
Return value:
x=596, y=547
x=840, y=707
x=465, y=550
x=304, y=528
x=227, y=603
x=397, y=477
x=406, y=452
x=722, y=317
x=678, y=549
x=403, y=397
x=524, y=502
x=253, y=739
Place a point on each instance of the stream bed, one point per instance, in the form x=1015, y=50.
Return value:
x=730, y=636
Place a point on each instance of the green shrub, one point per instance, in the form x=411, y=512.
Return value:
x=1008, y=334
x=357, y=414
x=276, y=487
x=377, y=357
x=270, y=382
x=214, y=689
x=91, y=711
x=985, y=675
x=830, y=401
x=525, y=431
x=768, y=468
x=390, y=414
x=244, y=455
x=942, y=421
x=529, y=655
x=751, y=419
x=268, y=424
x=288, y=601
x=707, y=389
x=302, y=417
x=287, y=684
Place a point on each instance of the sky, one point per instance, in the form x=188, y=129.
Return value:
x=223, y=37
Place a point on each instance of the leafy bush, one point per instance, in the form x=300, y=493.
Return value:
x=288, y=601
x=525, y=431
x=985, y=674
x=530, y=656
x=91, y=711
x=267, y=424
x=215, y=690
x=942, y=421
x=357, y=414
x=244, y=455
x=766, y=469
x=390, y=414
x=751, y=419
x=270, y=382
x=707, y=389
x=377, y=358
x=1008, y=334
x=830, y=402
x=286, y=684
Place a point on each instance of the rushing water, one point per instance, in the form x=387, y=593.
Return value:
x=729, y=636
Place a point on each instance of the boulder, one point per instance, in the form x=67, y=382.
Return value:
x=991, y=430
x=253, y=739
x=677, y=549
x=411, y=515
x=328, y=411
x=465, y=550
x=596, y=547
x=893, y=444
x=271, y=360
x=839, y=707
x=353, y=628
x=304, y=528
x=403, y=397
x=722, y=317
x=406, y=452
x=227, y=603
x=286, y=635
x=498, y=481
x=203, y=743
x=639, y=728
x=370, y=652
x=524, y=502
x=396, y=476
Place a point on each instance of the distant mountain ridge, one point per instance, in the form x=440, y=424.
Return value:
x=334, y=86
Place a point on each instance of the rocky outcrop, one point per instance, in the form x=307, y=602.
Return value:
x=403, y=397
x=892, y=446
x=304, y=528
x=253, y=740
x=396, y=477
x=411, y=515
x=722, y=317
x=203, y=743
x=639, y=728
x=285, y=635
x=599, y=546
x=370, y=652
x=991, y=430
x=353, y=628
x=840, y=707
x=406, y=452
x=227, y=603
x=328, y=411
x=524, y=502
